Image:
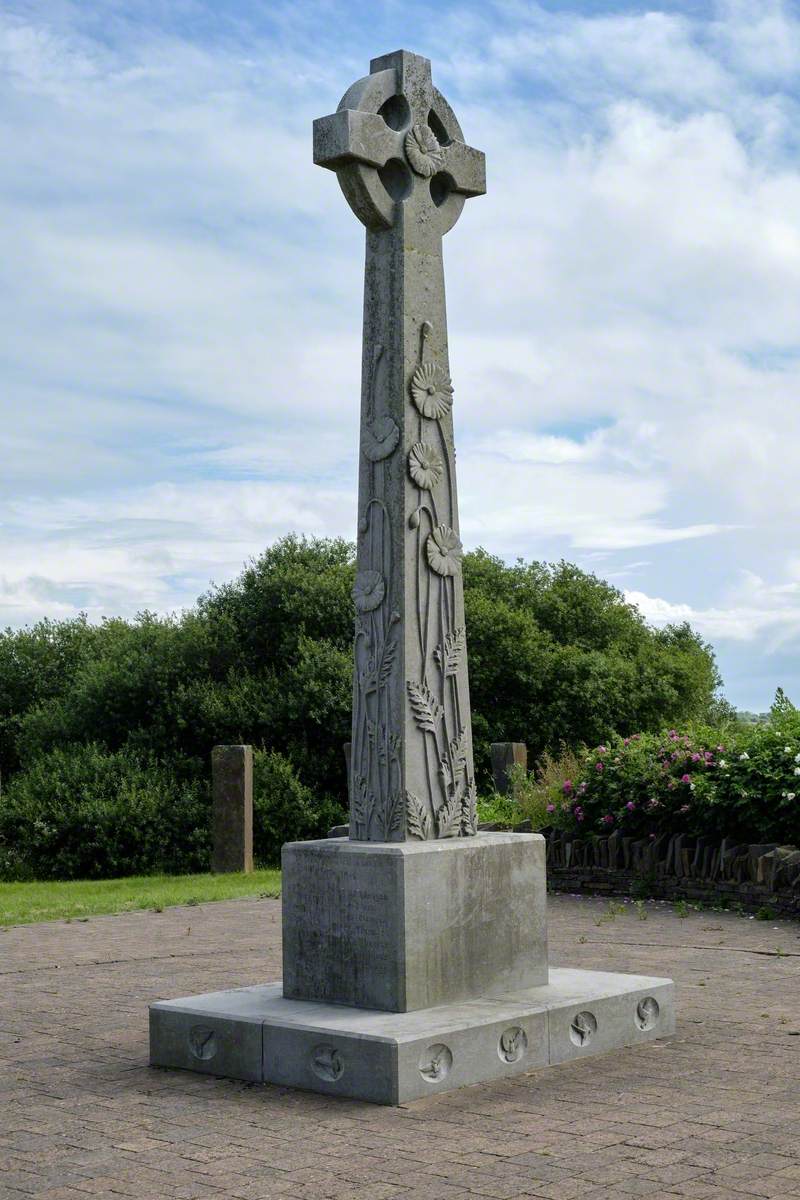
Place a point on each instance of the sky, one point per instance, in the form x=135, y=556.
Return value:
x=181, y=289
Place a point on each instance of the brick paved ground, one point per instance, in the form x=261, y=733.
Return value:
x=714, y=1113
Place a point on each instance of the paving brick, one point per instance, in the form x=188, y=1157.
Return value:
x=711, y=1115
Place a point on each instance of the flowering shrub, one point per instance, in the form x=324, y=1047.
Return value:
x=742, y=782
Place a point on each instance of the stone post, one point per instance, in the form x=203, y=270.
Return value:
x=506, y=755
x=232, y=819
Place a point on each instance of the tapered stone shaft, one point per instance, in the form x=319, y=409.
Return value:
x=400, y=158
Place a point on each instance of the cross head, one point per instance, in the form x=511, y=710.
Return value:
x=397, y=147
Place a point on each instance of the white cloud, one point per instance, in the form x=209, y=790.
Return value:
x=754, y=609
x=180, y=297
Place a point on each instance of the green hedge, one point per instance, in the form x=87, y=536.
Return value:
x=89, y=813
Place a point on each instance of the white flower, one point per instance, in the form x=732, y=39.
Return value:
x=790, y=795
x=797, y=770
x=722, y=762
x=797, y=758
x=787, y=749
x=742, y=757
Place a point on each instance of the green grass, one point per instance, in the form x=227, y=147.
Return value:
x=22, y=903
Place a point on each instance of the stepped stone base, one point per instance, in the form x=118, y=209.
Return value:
x=258, y=1035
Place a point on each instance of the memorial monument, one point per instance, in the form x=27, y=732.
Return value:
x=414, y=951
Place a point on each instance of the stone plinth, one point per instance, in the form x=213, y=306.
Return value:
x=232, y=808
x=410, y=925
x=259, y=1035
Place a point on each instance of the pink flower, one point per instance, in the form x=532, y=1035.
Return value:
x=636, y=737
x=630, y=806
x=684, y=808
x=551, y=808
x=608, y=819
x=695, y=758
x=598, y=766
x=578, y=816
x=652, y=835
x=601, y=749
x=567, y=786
x=686, y=779
x=627, y=742
x=651, y=804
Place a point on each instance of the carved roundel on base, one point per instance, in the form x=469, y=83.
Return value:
x=327, y=1062
x=513, y=1044
x=647, y=1013
x=583, y=1028
x=202, y=1042
x=435, y=1062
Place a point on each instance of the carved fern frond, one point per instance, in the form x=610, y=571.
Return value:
x=387, y=662
x=360, y=805
x=394, y=814
x=446, y=774
x=449, y=656
x=458, y=753
x=469, y=810
x=426, y=708
x=448, y=818
x=418, y=821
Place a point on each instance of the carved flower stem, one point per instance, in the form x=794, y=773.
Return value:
x=377, y=352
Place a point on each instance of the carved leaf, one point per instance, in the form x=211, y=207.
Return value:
x=387, y=662
x=458, y=753
x=469, y=810
x=418, y=821
x=360, y=814
x=426, y=708
x=448, y=818
x=455, y=644
x=394, y=814
x=446, y=774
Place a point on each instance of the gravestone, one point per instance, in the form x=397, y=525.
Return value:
x=415, y=949
x=232, y=808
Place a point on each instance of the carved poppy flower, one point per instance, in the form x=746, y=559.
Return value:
x=379, y=438
x=423, y=150
x=368, y=590
x=432, y=390
x=425, y=466
x=444, y=551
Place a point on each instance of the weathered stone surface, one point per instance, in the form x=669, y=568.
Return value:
x=506, y=755
x=411, y=925
x=401, y=161
x=391, y=1058
x=232, y=808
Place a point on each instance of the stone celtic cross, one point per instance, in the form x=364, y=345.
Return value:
x=400, y=158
